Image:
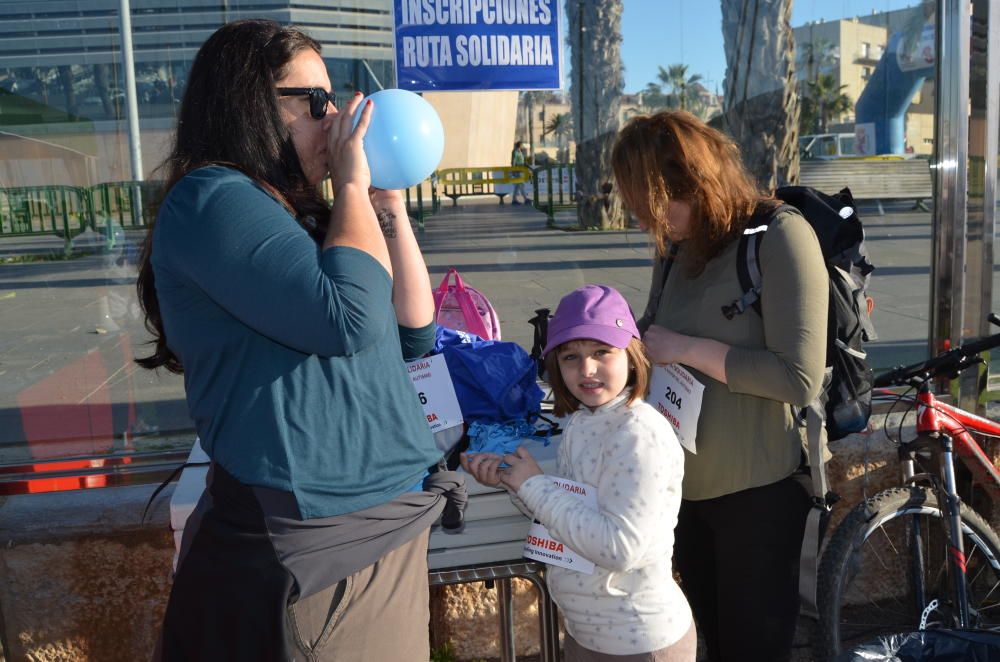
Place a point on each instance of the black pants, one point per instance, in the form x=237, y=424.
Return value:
x=738, y=558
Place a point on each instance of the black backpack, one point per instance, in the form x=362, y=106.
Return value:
x=844, y=404
x=846, y=396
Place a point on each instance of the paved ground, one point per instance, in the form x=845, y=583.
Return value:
x=69, y=329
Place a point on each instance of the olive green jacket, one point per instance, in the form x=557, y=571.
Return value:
x=747, y=433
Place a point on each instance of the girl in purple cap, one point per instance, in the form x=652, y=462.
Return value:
x=629, y=609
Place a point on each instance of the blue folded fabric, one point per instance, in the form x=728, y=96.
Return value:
x=502, y=438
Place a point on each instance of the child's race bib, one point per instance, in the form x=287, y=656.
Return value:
x=541, y=546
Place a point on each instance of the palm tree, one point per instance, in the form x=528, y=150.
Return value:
x=828, y=100
x=652, y=98
x=683, y=93
x=596, y=87
x=815, y=56
x=65, y=74
x=560, y=126
x=529, y=99
x=761, y=109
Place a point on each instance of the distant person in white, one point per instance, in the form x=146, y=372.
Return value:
x=630, y=609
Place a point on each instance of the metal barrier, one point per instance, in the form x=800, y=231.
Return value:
x=555, y=189
x=455, y=183
x=415, y=201
x=123, y=204
x=31, y=210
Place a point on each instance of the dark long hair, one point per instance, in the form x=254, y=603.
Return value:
x=230, y=116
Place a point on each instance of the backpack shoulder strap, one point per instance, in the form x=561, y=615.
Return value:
x=748, y=262
x=656, y=288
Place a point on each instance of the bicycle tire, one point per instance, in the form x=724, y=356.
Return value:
x=845, y=621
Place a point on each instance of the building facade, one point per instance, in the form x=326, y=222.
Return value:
x=850, y=50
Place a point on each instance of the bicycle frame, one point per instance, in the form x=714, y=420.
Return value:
x=947, y=428
x=936, y=417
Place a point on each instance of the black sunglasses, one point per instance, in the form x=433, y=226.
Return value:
x=318, y=98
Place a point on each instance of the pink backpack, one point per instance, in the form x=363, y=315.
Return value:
x=465, y=308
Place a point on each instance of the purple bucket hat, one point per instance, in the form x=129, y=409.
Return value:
x=592, y=312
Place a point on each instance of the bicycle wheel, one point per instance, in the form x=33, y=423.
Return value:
x=868, y=576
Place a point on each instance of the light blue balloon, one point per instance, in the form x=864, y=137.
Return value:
x=405, y=139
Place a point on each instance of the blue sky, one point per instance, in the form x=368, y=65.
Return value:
x=664, y=32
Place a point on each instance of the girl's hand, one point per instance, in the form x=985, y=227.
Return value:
x=521, y=467
x=345, y=152
x=484, y=467
x=664, y=346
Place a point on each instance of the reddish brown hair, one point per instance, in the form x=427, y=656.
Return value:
x=638, y=378
x=674, y=155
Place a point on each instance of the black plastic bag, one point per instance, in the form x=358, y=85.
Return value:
x=929, y=645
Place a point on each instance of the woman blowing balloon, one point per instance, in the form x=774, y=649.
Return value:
x=290, y=322
x=741, y=520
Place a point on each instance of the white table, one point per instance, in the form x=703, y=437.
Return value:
x=488, y=549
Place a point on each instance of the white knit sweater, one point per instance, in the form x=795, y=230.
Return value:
x=631, y=603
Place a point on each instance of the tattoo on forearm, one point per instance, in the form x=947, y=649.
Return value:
x=385, y=221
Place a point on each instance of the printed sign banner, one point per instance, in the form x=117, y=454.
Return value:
x=477, y=45
x=864, y=139
x=541, y=546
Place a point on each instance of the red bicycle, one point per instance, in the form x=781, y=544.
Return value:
x=917, y=556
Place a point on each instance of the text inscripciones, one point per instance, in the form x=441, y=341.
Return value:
x=472, y=12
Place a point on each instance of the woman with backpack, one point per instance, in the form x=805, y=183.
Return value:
x=290, y=319
x=743, y=512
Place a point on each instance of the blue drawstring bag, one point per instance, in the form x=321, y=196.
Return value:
x=445, y=337
x=494, y=380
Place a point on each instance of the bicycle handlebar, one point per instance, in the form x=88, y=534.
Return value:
x=948, y=363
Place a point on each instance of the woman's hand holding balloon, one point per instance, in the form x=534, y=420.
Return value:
x=345, y=145
x=405, y=141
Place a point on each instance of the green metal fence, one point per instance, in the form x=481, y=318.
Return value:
x=124, y=205
x=35, y=210
x=417, y=206
x=67, y=211
x=555, y=189
x=107, y=208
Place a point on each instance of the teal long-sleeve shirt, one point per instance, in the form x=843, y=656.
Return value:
x=292, y=356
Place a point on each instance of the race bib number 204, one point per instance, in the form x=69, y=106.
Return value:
x=677, y=395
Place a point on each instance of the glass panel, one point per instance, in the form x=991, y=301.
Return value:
x=865, y=79
x=72, y=221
